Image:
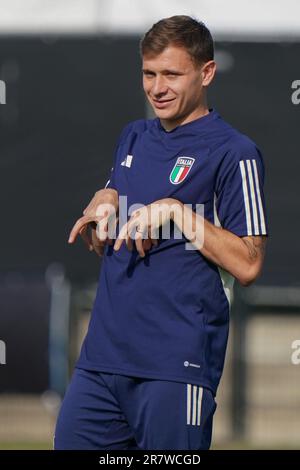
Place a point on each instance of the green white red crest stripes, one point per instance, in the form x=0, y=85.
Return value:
x=181, y=169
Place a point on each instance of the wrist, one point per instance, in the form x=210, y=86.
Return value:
x=109, y=194
x=177, y=210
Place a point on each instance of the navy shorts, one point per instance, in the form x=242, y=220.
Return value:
x=104, y=411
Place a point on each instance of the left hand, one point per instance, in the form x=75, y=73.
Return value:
x=144, y=224
x=101, y=210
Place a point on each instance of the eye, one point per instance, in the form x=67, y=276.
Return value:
x=148, y=74
x=172, y=74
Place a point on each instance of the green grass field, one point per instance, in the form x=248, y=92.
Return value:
x=25, y=446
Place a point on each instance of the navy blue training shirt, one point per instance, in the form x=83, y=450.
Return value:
x=166, y=316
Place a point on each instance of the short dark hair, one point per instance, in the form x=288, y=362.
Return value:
x=182, y=31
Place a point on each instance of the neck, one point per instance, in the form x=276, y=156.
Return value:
x=170, y=124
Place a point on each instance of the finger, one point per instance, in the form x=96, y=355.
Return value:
x=118, y=243
x=154, y=235
x=127, y=231
x=77, y=227
x=99, y=249
x=112, y=222
x=122, y=235
x=129, y=242
x=97, y=245
x=139, y=244
x=131, y=232
x=154, y=241
x=86, y=237
x=101, y=231
x=102, y=227
x=147, y=244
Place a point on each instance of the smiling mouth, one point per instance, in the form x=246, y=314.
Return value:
x=162, y=103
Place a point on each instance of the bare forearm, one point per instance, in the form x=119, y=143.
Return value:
x=241, y=257
x=230, y=252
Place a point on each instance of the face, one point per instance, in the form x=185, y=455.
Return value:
x=175, y=87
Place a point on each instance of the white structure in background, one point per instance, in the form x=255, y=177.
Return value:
x=2, y=92
x=2, y=352
x=233, y=19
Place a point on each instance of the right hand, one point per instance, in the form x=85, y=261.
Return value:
x=101, y=209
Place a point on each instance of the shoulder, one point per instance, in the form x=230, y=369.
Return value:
x=241, y=146
x=135, y=127
x=240, y=155
x=237, y=147
x=228, y=144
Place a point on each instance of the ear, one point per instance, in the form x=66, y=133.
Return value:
x=208, y=72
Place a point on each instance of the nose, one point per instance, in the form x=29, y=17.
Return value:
x=159, y=86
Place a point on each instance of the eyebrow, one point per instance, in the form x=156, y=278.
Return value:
x=164, y=72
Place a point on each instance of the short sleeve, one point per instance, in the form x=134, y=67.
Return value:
x=239, y=194
x=111, y=182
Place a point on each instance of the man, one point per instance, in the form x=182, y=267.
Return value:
x=153, y=356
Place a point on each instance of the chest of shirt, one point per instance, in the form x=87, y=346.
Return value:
x=148, y=170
